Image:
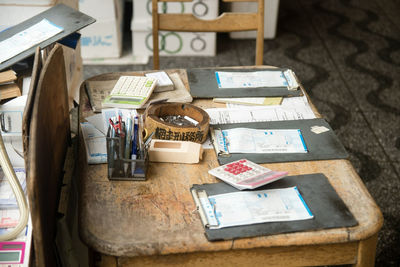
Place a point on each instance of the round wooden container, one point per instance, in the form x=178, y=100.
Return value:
x=168, y=131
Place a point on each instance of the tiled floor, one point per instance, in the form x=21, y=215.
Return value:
x=347, y=55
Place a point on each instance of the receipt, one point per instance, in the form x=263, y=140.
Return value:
x=28, y=38
x=273, y=205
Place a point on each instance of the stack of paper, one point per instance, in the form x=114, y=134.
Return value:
x=291, y=108
x=7, y=197
x=98, y=90
x=251, y=101
x=10, y=85
x=164, y=83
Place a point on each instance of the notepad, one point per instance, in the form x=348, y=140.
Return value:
x=164, y=83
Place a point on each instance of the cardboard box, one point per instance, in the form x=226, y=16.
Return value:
x=204, y=9
x=28, y=2
x=103, y=10
x=171, y=43
x=271, y=8
x=48, y=3
x=13, y=12
x=13, y=15
x=102, y=39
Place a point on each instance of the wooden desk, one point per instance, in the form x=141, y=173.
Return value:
x=154, y=223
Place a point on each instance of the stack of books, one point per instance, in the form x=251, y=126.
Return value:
x=10, y=85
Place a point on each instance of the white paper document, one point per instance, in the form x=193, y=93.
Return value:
x=295, y=101
x=15, y=150
x=9, y=218
x=238, y=102
x=114, y=113
x=251, y=207
x=246, y=140
x=28, y=38
x=241, y=100
x=265, y=78
x=7, y=197
x=95, y=142
x=95, y=130
x=255, y=102
x=259, y=114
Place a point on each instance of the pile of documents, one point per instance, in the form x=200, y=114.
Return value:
x=244, y=110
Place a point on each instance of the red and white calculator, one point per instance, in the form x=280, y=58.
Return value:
x=244, y=174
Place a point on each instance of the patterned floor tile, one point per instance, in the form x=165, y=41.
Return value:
x=386, y=128
x=364, y=46
x=384, y=189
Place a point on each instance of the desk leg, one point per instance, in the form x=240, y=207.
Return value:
x=366, y=252
x=105, y=261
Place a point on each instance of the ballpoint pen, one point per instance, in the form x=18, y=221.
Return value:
x=140, y=137
x=128, y=140
x=111, y=152
x=134, y=147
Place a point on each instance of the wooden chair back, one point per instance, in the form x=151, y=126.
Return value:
x=47, y=137
x=226, y=22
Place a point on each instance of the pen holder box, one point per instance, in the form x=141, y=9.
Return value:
x=121, y=168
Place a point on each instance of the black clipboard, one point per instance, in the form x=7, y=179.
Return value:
x=321, y=146
x=203, y=84
x=328, y=208
x=66, y=17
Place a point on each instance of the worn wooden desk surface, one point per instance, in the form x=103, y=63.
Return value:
x=154, y=222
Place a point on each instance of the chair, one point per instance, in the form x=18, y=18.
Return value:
x=226, y=22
